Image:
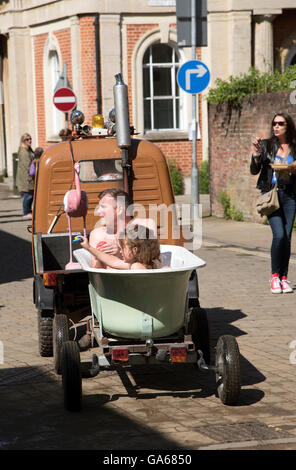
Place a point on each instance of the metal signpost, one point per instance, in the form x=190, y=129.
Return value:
x=193, y=77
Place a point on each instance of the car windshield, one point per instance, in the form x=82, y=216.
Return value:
x=100, y=170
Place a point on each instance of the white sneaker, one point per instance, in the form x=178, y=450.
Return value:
x=275, y=285
x=285, y=284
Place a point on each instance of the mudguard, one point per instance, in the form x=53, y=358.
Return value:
x=43, y=297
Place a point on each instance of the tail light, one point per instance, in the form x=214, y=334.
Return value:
x=50, y=279
x=120, y=354
x=178, y=353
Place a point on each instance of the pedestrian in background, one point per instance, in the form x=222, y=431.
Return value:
x=37, y=154
x=24, y=180
x=279, y=148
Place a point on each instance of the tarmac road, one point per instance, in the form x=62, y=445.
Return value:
x=160, y=407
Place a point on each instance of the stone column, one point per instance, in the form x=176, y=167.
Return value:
x=264, y=42
x=76, y=59
x=110, y=50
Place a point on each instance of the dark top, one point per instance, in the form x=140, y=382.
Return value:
x=263, y=167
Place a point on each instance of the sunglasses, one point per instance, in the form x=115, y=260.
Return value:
x=280, y=123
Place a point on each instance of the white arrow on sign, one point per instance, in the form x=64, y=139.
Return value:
x=199, y=71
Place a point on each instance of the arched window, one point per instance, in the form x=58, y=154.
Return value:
x=291, y=57
x=54, y=70
x=160, y=90
x=55, y=119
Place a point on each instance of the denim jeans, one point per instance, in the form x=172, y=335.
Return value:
x=281, y=223
x=27, y=202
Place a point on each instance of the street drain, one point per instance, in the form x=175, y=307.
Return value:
x=241, y=432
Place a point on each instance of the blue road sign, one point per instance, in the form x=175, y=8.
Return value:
x=193, y=76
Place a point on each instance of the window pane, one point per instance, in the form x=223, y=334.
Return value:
x=177, y=88
x=146, y=82
x=147, y=115
x=146, y=56
x=177, y=114
x=161, y=53
x=163, y=114
x=162, y=82
x=100, y=170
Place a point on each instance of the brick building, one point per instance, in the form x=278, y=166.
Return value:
x=98, y=38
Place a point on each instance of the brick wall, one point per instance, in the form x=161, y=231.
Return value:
x=39, y=44
x=230, y=142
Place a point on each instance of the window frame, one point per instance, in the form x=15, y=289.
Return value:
x=172, y=65
x=150, y=38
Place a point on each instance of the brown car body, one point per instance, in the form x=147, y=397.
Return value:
x=149, y=184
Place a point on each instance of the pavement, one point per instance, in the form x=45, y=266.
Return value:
x=163, y=407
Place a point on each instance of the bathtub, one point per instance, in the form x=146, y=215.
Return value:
x=141, y=304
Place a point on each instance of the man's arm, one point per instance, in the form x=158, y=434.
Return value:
x=96, y=236
x=110, y=260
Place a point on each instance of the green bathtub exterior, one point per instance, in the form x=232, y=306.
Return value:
x=139, y=305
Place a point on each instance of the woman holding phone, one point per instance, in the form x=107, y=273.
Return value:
x=279, y=148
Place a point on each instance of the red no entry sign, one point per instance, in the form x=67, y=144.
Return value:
x=64, y=99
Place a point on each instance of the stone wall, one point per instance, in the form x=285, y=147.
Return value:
x=230, y=149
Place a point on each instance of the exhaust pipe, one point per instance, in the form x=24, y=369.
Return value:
x=122, y=125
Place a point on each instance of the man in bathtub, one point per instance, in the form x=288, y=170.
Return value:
x=112, y=211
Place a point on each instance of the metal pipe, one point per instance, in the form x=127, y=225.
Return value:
x=194, y=169
x=5, y=173
x=123, y=134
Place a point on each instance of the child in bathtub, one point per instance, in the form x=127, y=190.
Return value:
x=140, y=250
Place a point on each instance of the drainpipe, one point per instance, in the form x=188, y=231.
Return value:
x=97, y=48
x=5, y=174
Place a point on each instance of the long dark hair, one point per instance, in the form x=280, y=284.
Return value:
x=290, y=133
x=146, y=244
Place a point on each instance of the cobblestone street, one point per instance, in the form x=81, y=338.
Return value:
x=159, y=407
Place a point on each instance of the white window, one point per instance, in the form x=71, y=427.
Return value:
x=160, y=90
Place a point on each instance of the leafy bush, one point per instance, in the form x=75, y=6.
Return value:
x=229, y=210
x=204, y=177
x=233, y=90
x=176, y=176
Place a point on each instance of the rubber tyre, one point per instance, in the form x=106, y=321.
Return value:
x=45, y=324
x=199, y=330
x=71, y=376
x=228, y=376
x=60, y=333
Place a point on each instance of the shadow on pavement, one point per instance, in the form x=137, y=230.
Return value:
x=16, y=258
x=33, y=417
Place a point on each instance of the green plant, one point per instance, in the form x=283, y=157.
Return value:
x=229, y=210
x=204, y=177
x=176, y=176
x=233, y=90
